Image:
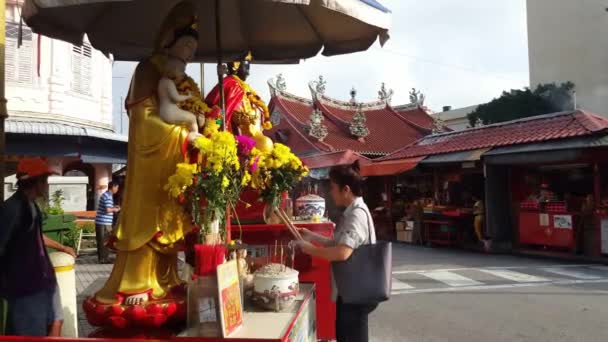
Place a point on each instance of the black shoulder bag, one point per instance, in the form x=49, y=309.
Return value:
x=365, y=277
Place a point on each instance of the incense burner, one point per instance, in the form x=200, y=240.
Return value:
x=310, y=206
x=275, y=287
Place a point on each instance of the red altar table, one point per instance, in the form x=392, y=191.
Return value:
x=312, y=270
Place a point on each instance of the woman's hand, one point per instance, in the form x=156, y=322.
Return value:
x=305, y=246
x=306, y=234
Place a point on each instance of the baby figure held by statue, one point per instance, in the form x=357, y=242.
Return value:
x=171, y=101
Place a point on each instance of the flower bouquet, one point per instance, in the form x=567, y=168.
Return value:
x=210, y=187
x=275, y=173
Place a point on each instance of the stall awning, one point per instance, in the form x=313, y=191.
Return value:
x=456, y=157
x=390, y=167
x=546, y=152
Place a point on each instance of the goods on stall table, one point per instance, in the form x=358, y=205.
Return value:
x=404, y=235
x=556, y=207
x=530, y=205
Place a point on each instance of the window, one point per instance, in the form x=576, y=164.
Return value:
x=81, y=69
x=19, y=59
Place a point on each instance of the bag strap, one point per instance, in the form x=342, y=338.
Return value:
x=369, y=226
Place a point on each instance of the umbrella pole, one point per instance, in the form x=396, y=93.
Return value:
x=3, y=111
x=220, y=76
x=220, y=79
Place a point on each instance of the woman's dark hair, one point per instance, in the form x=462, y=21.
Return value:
x=344, y=175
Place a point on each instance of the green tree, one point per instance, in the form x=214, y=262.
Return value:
x=518, y=103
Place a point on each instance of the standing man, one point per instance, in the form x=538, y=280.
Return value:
x=104, y=221
x=27, y=277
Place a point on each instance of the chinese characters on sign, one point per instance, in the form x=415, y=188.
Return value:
x=231, y=309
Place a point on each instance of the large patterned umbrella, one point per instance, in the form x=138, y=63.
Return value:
x=273, y=30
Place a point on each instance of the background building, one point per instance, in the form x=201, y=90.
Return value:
x=567, y=42
x=455, y=119
x=60, y=106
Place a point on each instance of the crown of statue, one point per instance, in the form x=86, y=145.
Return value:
x=194, y=24
x=237, y=64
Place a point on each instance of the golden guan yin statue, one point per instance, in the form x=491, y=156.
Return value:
x=163, y=106
x=246, y=113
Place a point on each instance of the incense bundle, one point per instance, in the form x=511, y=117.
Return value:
x=207, y=258
x=294, y=231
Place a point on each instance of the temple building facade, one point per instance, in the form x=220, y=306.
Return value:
x=326, y=131
x=59, y=106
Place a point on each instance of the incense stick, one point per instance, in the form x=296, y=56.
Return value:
x=293, y=256
x=291, y=229
x=289, y=224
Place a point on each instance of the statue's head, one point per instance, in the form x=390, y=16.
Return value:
x=184, y=43
x=178, y=34
x=241, y=68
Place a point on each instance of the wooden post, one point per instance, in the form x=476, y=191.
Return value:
x=202, y=65
x=597, y=186
x=220, y=75
x=3, y=111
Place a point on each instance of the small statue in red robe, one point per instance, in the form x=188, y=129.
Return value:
x=246, y=112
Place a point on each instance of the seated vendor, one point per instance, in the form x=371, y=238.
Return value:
x=545, y=194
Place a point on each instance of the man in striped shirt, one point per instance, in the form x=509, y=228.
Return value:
x=104, y=221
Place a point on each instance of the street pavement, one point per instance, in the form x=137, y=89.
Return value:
x=448, y=295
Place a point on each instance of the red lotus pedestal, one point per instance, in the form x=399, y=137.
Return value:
x=154, y=314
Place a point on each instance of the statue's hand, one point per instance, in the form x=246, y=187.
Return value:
x=201, y=120
x=192, y=136
x=182, y=98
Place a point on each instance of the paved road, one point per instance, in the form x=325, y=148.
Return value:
x=445, y=295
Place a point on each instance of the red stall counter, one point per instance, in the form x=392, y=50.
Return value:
x=548, y=229
x=261, y=238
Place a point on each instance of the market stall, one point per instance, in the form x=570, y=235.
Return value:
x=446, y=226
x=458, y=198
x=556, y=206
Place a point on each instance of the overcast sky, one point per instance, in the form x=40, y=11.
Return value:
x=457, y=52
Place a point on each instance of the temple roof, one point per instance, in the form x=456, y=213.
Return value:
x=534, y=129
x=372, y=128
